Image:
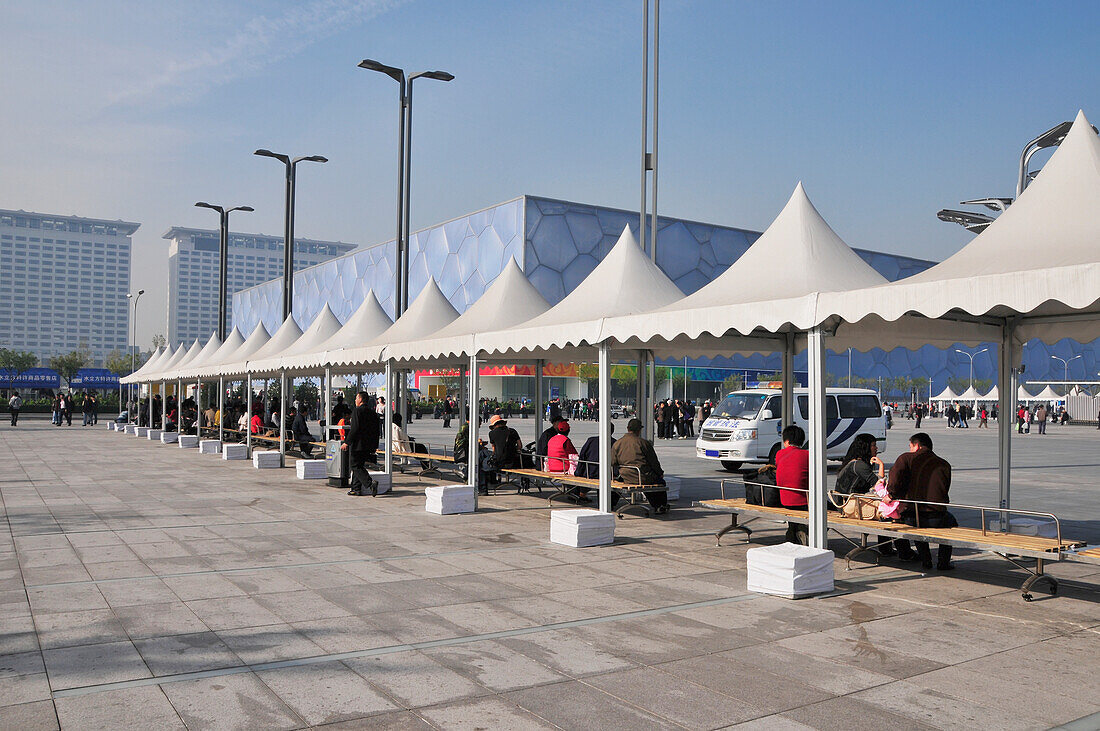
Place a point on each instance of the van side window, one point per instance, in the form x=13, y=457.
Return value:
x=859, y=406
x=775, y=405
x=830, y=407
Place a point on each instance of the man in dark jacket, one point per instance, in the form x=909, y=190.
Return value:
x=638, y=461
x=361, y=444
x=542, y=447
x=300, y=429
x=920, y=474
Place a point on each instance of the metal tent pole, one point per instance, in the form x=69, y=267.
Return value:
x=387, y=429
x=282, y=418
x=605, y=427
x=472, y=448
x=328, y=405
x=539, y=397
x=1007, y=377
x=787, y=399
x=817, y=436
x=221, y=408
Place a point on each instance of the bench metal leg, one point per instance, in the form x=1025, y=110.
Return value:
x=619, y=511
x=859, y=548
x=1036, y=575
x=732, y=526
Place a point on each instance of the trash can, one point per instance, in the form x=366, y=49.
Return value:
x=336, y=464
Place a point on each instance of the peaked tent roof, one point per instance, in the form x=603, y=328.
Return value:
x=970, y=394
x=626, y=282
x=993, y=395
x=287, y=334
x=168, y=373
x=323, y=327
x=1048, y=394
x=365, y=324
x=233, y=341
x=946, y=395
x=1054, y=220
x=1022, y=394
x=146, y=367
x=252, y=343
x=208, y=350
x=813, y=259
x=510, y=300
x=428, y=313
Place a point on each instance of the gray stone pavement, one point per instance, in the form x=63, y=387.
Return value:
x=146, y=586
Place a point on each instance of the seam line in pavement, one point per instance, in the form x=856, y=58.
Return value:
x=391, y=649
x=336, y=562
x=430, y=644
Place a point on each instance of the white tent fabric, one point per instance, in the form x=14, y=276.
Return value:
x=798, y=255
x=428, y=313
x=285, y=337
x=365, y=324
x=626, y=282
x=323, y=327
x=147, y=367
x=193, y=354
x=1022, y=394
x=208, y=350
x=946, y=395
x=167, y=372
x=1048, y=394
x=970, y=394
x=510, y=300
x=993, y=395
x=252, y=343
x=232, y=341
x=1054, y=222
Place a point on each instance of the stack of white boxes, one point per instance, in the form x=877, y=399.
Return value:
x=131, y=428
x=154, y=435
x=188, y=441
x=234, y=451
x=168, y=437
x=266, y=459
x=141, y=432
x=581, y=527
x=210, y=446
x=789, y=570
x=110, y=426
x=673, y=484
x=1027, y=527
x=311, y=469
x=450, y=499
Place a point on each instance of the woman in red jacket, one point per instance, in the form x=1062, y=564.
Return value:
x=560, y=449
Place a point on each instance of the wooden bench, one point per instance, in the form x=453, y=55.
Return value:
x=1009, y=546
x=562, y=482
x=431, y=458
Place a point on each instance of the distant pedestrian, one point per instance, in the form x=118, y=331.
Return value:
x=14, y=405
x=1041, y=417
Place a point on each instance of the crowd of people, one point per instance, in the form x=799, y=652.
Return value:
x=676, y=419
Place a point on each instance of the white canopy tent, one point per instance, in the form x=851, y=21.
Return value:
x=946, y=394
x=147, y=367
x=232, y=342
x=170, y=363
x=1048, y=394
x=364, y=326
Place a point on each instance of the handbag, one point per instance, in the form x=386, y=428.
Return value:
x=860, y=507
x=762, y=490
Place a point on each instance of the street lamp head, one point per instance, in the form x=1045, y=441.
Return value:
x=314, y=158
x=1053, y=136
x=130, y=295
x=268, y=153
x=392, y=71
x=248, y=209
x=211, y=206
x=437, y=75
x=141, y=292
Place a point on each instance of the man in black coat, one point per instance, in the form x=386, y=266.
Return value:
x=361, y=444
x=300, y=429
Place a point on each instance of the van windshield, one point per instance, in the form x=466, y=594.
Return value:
x=739, y=406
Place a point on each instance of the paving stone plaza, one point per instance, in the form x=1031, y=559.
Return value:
x=148, y=586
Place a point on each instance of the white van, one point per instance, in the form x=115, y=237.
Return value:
x=744, y=428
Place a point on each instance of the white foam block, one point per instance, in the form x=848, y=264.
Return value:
x=266, y=459
x=789, y=570
x=168, y=437
x=141, y=432
x=110, y=426
x=154, y=435
x=581, y=527
x=210, y=446
x=310, y=469
x=188, y=441
x=385, y=484
x=450, y=499
x=234, y=451
x=131, y=428
x=1027, y=527
x=673, y=484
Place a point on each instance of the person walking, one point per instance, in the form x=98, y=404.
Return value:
x=361, y=444
x=14, y=405
x=919, y=408
x=86, y=409
x=67, y=408
x=1041, y=416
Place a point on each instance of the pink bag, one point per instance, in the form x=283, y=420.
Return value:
x=887, y=508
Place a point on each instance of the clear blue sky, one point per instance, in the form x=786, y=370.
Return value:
x=887, y=111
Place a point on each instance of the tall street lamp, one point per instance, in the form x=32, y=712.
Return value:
x=1066, y=364
x=971, y=356
x=223, y=253
x=288, y=230
x=133, y=342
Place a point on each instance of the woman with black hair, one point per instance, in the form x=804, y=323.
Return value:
x=861, y=471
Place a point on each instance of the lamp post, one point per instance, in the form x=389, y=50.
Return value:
x=404, y=175
x=223, y=254
x=288, y=230
x=1051, y=138
x=1066, y=363
x=133, y=344
x=971, y=356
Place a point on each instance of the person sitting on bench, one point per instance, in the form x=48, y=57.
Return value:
x=588, y=463
x=542, y=446
x=640, y=465
x=301, y=431
x=921, y=474
x=560, y=450
x=792, y=469
x=402, y=442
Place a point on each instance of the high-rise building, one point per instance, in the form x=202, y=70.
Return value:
x=63, y=283
x=193, y=262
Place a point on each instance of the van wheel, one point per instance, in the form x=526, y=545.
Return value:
x=731, y=466
x=775, y=450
